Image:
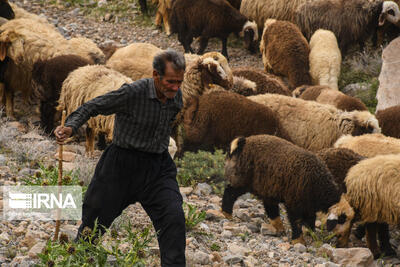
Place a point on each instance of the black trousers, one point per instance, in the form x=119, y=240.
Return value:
x=123, y=177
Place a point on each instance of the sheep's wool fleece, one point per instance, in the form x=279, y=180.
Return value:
x=86, y=83
x=373, y=188
x=325, y=59
x=370, y=145
x=309, y=124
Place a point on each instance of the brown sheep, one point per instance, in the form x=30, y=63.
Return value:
x=389, y=121
x=215, y=118
x=351, y=21
x=208, y=19
x=49, y=76
x=278, y=171
x=326, y=95
x=339, y=161
x=265, y=83
x=285, y=52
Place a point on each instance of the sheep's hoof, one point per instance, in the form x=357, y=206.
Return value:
x=227, y=215
x=298, y=240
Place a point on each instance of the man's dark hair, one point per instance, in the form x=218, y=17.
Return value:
x=176, y=59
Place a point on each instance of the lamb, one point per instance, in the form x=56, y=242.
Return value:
x=372, y=189
x=325, y=59
x=339, y=161
x=86, y=83
x=285, y=52
x=389, y=121
x=261, y=10
x=49, y=76
x=351, y=21
x=326, y=95
x=265, y=83
x=370, y=145
x=24, y=44
x=278, y=171
x=315, y=126
x=207, y=19
x=215, y=118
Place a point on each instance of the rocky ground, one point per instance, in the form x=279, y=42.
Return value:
x=246, y=240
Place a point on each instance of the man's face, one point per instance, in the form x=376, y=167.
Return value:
x=168, y=86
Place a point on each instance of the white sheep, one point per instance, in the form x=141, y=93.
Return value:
x=84, y=84
x=325, y=59
x=315, y=126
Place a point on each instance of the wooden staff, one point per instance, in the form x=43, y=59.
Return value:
x=60, y=170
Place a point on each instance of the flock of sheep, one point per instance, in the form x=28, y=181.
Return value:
x=301, y=142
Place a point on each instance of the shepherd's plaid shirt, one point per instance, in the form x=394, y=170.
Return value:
x=142, y=122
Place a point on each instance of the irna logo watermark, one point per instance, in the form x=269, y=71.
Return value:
x=42, y=202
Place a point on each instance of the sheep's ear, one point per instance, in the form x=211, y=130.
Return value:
x=237, y=146
x=382, y=19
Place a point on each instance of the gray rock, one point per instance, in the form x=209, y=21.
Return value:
x=231, y=259
x=202, y=189
x=26, y=172
x=354, y=89
x=243, y=215
x=2, y=159
x=101, y=3
x=300, y=248
x=253, y=227
x=75, y=12
x=245, y=196
x=201, y=258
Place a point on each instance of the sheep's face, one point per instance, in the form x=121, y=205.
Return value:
x=299, y=91
x=6, y=10
x=214, y=72
x=358, y=123
x=250, y=36
x=390, y=12
x=223, y=62
x=340, y=220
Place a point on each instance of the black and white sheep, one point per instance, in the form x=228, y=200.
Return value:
x=352, y=21
x=207, y=19
x=277, y=171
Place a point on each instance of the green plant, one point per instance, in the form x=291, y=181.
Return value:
x=192, y=216
x=245, y=236
x=320, y=236
x=94, y=251
x=215, y=247
x=200, y=167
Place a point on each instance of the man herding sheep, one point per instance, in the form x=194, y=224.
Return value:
x=137, y=165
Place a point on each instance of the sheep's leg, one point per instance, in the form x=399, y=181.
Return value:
x=143, y=6
x=89, y=141
x=47, y=111
x=166, y=23
x=101, y=144
x=272, y=210
x=360, y=231
x=371, y=239
x=187, y=41
x=310, y=221
x=297, y=234
x=224, y=46
x=158, y=19
x=9, y=102
x=203, y=45
x=384, y=237
x=229, y=198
